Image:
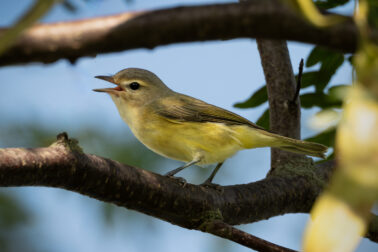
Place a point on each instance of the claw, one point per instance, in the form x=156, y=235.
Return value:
x=178, y=179
x=217, y=187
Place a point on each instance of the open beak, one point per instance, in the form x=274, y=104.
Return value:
x=109, y=79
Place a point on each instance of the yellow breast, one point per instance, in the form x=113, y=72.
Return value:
x=183, y=141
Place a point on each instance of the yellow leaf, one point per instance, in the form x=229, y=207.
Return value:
x=335, y=226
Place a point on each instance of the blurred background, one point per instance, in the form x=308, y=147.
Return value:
x=39, y=101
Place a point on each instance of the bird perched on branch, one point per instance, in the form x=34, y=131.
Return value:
x=183, y=128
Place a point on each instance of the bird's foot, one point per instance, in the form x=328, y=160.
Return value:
x=209, y=184
x=180, y=180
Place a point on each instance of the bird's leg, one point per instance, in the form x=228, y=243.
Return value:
x=212, y=175
x=173, y=172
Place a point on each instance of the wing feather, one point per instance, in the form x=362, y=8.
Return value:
x=185, y=108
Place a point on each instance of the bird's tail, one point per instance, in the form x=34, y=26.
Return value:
x=261, y=138
x=299, y=146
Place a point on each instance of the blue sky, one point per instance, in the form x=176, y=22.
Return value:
x=59, y=97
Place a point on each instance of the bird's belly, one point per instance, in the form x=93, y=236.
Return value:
x=211, y=142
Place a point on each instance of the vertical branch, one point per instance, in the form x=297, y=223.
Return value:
x=280, y=82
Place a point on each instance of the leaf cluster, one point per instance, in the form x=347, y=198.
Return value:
x=322, y=97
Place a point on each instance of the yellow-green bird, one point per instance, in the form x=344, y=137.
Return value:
x=183, y=128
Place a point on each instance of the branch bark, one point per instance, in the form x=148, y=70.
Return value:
x=284, y=112
x=224, y=230
x=256, y=19
x=64, y=165
x=60, y=165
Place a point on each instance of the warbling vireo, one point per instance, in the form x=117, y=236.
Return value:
x=183, y=128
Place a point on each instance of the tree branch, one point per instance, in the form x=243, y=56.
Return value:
x=259, y=19
x=372, y=232
x=224, y=230
x=285, y=114
x=64, y=165
x=60, y=165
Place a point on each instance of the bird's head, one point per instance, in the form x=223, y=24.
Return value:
x=134, y=87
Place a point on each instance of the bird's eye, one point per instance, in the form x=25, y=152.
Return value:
x=134, y=85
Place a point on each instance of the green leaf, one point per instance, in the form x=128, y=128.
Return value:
x=373, y=13
x=329, y=4
x=338, y=92
x=321, y=100
x=308, y=79
x=317, y=55
x=263, y=121
x=326, y=137
x=330, y=66
x=310, y=100
x=322, y=55
x=330, y=61
x=258, y=98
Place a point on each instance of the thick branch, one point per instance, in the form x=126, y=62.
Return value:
x=60, y=166
x=285, y=114
x=63, y=165
x=153, y=194
x=259, y=19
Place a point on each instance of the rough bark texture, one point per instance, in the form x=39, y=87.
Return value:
x=255, y=19
x=150, y=193
x=63, y=165
x=284, y=111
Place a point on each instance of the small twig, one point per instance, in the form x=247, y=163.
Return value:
x=299, y=82
x=224, y=230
